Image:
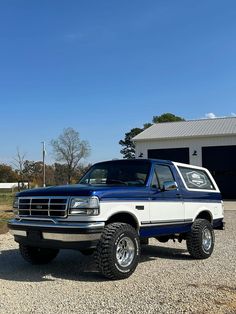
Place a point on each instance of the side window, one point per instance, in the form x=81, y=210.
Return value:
x=164, y=174
x=155, y=183
x=196, y=179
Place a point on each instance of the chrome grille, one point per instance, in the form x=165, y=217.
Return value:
x=43, y=207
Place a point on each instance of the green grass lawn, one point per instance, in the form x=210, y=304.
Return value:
x=6, y=200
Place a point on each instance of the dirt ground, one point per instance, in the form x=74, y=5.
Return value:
x=167, y=280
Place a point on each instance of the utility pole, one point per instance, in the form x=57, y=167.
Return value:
x=44, y=168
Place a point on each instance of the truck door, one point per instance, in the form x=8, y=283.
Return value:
x=166, y=206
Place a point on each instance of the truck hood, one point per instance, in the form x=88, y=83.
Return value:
x=87, y=190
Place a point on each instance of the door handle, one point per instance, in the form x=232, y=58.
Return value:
x=139, y=207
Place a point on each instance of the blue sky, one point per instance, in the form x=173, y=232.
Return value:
x=104, y=67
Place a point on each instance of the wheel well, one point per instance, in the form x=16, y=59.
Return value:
x=205, y=215
x=123, y=217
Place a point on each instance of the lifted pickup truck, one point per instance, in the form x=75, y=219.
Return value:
x=116, y=206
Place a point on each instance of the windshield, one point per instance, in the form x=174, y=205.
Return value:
x=122, y=172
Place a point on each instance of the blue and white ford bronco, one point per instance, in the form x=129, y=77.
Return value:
x=116, y=206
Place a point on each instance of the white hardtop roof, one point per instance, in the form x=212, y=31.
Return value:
x=191, y=128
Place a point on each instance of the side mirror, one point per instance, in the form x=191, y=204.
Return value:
x=170, y=186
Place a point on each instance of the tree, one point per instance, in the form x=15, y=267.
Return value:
x=69, y=149
x=128, y=150
x=19, y=161
x=81, y=170
x=7, y=174
x=167, y=117
x=60, y=173
x=33, y=172
x=50, y=175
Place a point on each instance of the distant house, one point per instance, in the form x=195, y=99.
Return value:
x=13, y=185
x=210, y=143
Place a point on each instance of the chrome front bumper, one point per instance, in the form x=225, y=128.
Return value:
x=60, y=236
x=51, y=233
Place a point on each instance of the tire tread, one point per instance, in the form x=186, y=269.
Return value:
x=103, y=255
x=194, y=241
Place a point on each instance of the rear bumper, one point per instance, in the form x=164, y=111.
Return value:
x=56, y=235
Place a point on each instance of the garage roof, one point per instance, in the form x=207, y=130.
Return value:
x=192, y=128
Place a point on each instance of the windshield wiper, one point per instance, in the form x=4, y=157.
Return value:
x=114, y=181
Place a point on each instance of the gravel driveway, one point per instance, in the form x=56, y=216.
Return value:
x=167, y=280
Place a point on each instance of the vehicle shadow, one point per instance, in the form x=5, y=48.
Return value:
x=71, y=265
x=150, y=252
x=68, y=265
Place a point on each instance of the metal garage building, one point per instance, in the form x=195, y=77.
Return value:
x=210, y=143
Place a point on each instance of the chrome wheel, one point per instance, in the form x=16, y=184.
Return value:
x=125, y=252
x=201, y=239
x=118, y=251
x=206, y=239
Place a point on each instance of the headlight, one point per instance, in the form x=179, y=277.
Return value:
x=84, y=205
x=15, y=205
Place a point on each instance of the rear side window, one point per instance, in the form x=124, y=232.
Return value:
x=162, y=174
x=196, y=179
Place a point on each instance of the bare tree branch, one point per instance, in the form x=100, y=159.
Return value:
x=69, y=149
x=18, y=163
